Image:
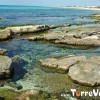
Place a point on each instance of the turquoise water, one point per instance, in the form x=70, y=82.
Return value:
x=22, y=7
x=30, y=75
x=42, y=15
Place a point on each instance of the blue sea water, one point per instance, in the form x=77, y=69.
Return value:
x=42, y=15
x=31, y=52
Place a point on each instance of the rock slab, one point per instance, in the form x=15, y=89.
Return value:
x=2, y=51
x=87, y=72
x=6, y=67
x=63, y=63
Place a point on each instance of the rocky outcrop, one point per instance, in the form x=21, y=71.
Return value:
x=5, y=34
x=9, y=32
x=3, y=51
x=28, y=29
x=81, y=69
x=63, y=63
x=77, y=37
x=2, y=18
x=6, y=68
x=86, y=72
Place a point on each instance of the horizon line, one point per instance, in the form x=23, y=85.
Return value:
x=43, y=6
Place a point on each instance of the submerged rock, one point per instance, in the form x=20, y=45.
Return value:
x=13, y=85
x=6, y=67
x=87, y=72
x=95, y=16
x=2, y=51
x=63, y=63
x=2, y=18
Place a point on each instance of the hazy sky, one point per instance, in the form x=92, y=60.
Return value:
x=51, y=2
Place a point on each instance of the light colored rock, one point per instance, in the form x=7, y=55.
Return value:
x=27, y=29
x=2, y=51
x=5, y=34
x=6, y=67
x=63, y=63
x=77, y=37
x=10, y=32
x=87, y=72
x=91, y=37
x=80, y=42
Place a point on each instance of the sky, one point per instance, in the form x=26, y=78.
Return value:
x=51, y=2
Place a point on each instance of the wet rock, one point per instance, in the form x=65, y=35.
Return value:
x=87, y=72
x=5, y=34
x=81, y=16
x=69, y=25
x=6, y=68
x=63, y=63
x=1, y=18
x=3, y=51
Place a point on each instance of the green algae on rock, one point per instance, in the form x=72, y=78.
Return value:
x=95, y=16
x=10, y=32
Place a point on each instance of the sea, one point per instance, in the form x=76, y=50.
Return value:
x=42, y=15
x=29, y=73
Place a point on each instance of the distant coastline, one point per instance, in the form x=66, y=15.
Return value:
x=30, y=6
x=82, y=7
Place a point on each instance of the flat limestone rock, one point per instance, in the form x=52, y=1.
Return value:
x=27, y=29
x=5, y=67
x=10, y=32
x=63, y=63
x=5, y=34
x=87, y=72
x=77, y=37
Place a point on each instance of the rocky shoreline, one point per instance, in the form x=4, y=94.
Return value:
x=89, y=66
x=77, y=37
x=10, y=32
x=86, y=69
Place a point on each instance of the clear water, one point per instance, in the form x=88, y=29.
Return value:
x=42, y=15
x=31, y=75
